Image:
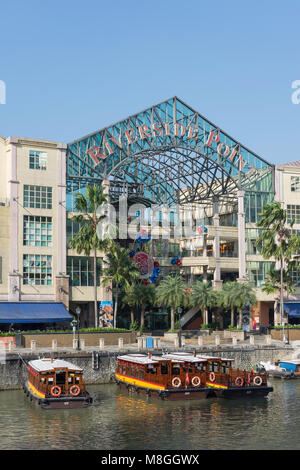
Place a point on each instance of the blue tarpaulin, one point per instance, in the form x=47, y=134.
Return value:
x=33, y=312
x=294, y=309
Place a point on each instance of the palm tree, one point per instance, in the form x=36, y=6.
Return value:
x=229, y=298
x=244, y=295
x=171, y=292
x=204, y=297
x=277, y=241
x=129, y=299
x=144, y=295
x=87, y=239
x=120, y=270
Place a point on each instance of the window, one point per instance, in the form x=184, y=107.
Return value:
x=258, y=270
x=37, y=270
x=37, y=160
x=164, y=368
x=81, y=270
x=295, y=184
x=37, y=231
x=295, y=276
x=293, y=213
x=39, y=197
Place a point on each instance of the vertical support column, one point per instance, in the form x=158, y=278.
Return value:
x=61, y=280
x=14, y=293
x=242, y=236
x=217, y=283
x=105, y=292
x=165, y=235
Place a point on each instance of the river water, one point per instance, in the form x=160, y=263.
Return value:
x=121, y=421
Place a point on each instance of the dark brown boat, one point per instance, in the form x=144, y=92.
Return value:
x=55, y=383
x=185, y=376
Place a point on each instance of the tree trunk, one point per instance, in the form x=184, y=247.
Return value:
x=172, y=318
x=232, y=317
x=143, y=317
x=131, y=317
x=220, y=318
x=206, y=316
x=116, y=306
x=240, y=318
x=95, y=288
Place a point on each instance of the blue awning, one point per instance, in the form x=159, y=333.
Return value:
x=294, y=309
x=33, y=312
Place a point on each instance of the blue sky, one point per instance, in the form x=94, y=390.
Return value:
x=72, y=67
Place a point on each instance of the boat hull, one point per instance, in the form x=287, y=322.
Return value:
x=244, y=392
x=191, y=393
x=63, y=402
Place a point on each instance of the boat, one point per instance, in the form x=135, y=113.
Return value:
x=280, y=370
x=56, y=383
x=181, y=375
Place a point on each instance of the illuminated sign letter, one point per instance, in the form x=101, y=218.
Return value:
x=144, y=131
x=192, y=132
x=212, y=137
x=156, y=128
x=167, y=129
x=130, y=136
x=94, y=153
x=179, y=130
x=226, y=150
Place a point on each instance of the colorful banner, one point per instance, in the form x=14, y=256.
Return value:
x=106, y=314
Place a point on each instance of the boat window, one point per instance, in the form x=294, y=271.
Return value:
x=77, y=380
x=164, y=368
x=175, y=369
x=151, y=369
x=60, y=378
x=142, y=373
x=200, y=366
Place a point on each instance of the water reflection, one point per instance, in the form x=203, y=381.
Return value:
x=120, y=420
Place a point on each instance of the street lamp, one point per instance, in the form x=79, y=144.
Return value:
x=78, y=311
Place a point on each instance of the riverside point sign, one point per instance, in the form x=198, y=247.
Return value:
x=168, y=130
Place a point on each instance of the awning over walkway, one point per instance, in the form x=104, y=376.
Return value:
x=33, y=312
x=293, y=309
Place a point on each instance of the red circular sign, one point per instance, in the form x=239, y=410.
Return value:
x=144, y=263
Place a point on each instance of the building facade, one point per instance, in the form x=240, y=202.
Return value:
x=185, y=173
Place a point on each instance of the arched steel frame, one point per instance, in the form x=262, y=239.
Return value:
x=170, y=154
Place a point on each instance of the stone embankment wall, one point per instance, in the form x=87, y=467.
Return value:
x=13, y=370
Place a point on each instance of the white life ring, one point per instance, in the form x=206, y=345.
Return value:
x=176, y=382
x=196, y=381
x=257, y=380
x=212, y=376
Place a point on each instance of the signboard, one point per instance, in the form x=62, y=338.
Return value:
x=144, y=263
x=106, y=314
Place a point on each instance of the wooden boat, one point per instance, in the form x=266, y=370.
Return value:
x=55, y=383
x=186, y=376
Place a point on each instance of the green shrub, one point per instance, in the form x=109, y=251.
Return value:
x=134, y=326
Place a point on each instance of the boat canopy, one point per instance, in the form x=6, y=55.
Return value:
x=45, y=365
x=33, y=312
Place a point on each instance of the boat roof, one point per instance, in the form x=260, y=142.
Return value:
x=140, y=358
x=179, y=357
x=48, y=364
x=294, y=361
x=219, y=358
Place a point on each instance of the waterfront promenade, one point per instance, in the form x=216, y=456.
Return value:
x=99, y=364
